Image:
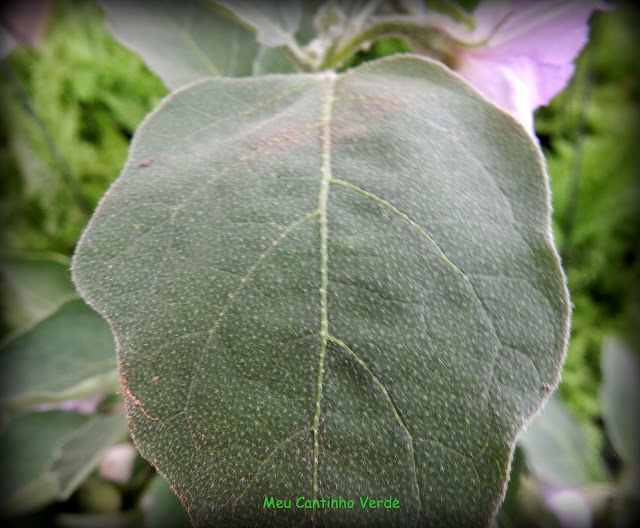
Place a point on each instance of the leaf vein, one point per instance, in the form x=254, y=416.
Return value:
x=394, y=409
x=264, y=462
x=411, y=222
x=250, y=110
x=323, y=197
x=377, y=294
x=233, y=295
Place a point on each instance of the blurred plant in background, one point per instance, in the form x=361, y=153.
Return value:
x=69, y=108
x=71, y=105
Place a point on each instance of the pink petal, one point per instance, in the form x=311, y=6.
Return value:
x=528, y=53
x=501, y=86
x=549, y=31
x=543, y=80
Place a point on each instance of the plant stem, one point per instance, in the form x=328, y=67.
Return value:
x=427, y=40
x=297, y=58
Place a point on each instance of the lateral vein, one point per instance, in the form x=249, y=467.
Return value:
x=413, y=224
x=392, y=406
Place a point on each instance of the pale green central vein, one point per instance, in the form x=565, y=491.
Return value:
x=396, y=414
x=325, y=174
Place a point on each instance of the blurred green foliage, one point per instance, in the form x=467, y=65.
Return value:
x=69, y=108
x=590, y=133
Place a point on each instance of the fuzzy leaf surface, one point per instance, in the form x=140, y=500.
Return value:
x=331, y=285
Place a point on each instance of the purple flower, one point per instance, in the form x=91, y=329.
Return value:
x=521, y=52
x=82, y=406
x=570, y=506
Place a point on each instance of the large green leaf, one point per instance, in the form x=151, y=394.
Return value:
x=69, y=354
x=44, y=456
x=331, y=286
x=182, y=40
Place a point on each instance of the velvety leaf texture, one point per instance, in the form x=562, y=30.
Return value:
x=331, y=286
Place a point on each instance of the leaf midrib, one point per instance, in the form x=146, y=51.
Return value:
x=323, y=196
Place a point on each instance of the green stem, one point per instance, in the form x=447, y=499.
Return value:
x=430, y=41
x=454, y=11
x=298, y=60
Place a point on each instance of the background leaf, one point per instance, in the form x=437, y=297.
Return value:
x=275, y=22
x=125, y=519
x=557, y=451
x=620, y=396
x=331, y=286
x=70, y=354
x=33, y=286
x=44, y=456
x=182, y=40
x=271, y=60
x=165, y=510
